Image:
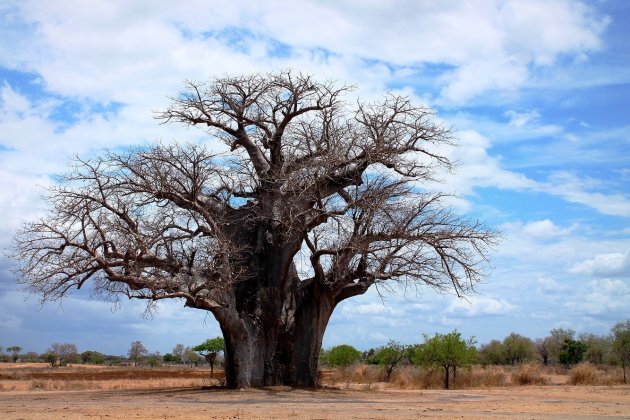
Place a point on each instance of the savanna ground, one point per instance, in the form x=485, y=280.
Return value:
x=32, y=391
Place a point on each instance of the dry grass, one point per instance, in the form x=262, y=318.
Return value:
x=357, y=377
x=529, y=374
x=109, y=378
x=413, y=377
x=588, y=374
x=79, y=385
x=358, y=374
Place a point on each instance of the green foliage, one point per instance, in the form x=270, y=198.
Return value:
x=517, y=349
x=215, y=345
x=170, y=358
x=15, y=352
x=572, y=352
x=50, y=358
x=154, y=359
x=555, y=341
x=492, y=353
x=210, y=349
x=446, y=351
x=621, y=344
x=390, y=356
x=92, y=357
x=30, y=357
x=599, y=348
x=343, y=356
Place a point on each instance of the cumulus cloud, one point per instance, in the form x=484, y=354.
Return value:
x=545, y=229
x=607, y=297
x=616, y=264
x=489, y=44
x=479, y=306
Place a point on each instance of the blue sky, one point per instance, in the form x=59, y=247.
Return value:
x=538, y=93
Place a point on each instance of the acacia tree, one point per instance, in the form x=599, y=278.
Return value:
x=15, y=352
x=210, y=349
x=621, y=344
x=315, y=202
x=391, y=356
x=446, y=351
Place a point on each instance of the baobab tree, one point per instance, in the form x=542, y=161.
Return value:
x=316, y=201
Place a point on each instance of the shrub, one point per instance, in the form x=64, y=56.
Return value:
x=583, y=374
x=343, y=356
x=528, y=374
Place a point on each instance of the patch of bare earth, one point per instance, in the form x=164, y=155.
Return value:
x=40, y=392
x=551, y=402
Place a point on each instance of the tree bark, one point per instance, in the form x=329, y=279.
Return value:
x=277, y=351
x=274, y=326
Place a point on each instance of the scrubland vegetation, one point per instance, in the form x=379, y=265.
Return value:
x=442, y=360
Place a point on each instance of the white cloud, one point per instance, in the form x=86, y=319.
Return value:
x=118, y=51
x=611, y=264
x=478, y=306
x=545, y=229
x=520, y=119
x=607, y=297
x=548, y=286
x=580, y=190
x=372, y=308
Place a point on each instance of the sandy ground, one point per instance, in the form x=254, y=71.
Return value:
x=529, y=402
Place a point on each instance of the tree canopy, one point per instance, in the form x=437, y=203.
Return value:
x=343, y=355
x=446, y=351
x=210, y=349
x=621, y=344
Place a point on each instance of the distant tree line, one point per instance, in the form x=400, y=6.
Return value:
x=446, y=352
x=63, y=354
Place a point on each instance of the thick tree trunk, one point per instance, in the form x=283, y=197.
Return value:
x=446, y=377
x=266, y=347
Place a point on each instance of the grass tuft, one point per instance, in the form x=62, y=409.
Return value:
x=528, y=374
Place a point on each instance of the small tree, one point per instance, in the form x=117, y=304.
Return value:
x=492, y=353
x=572, y=352
x=62, y=354
x=343, y=355
x=169, y=358
x=154, y=359
x=192, y=358
x=446, y=351
x=542, y=346
x=15, y=352
x=92, y=357
x=598, y=347
x=517, y=348
x=179, y=351
x=555, y=341
x=390, y=356
x=50, y=358
x=621, y=345
x=136, y=352
x=210, y=349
